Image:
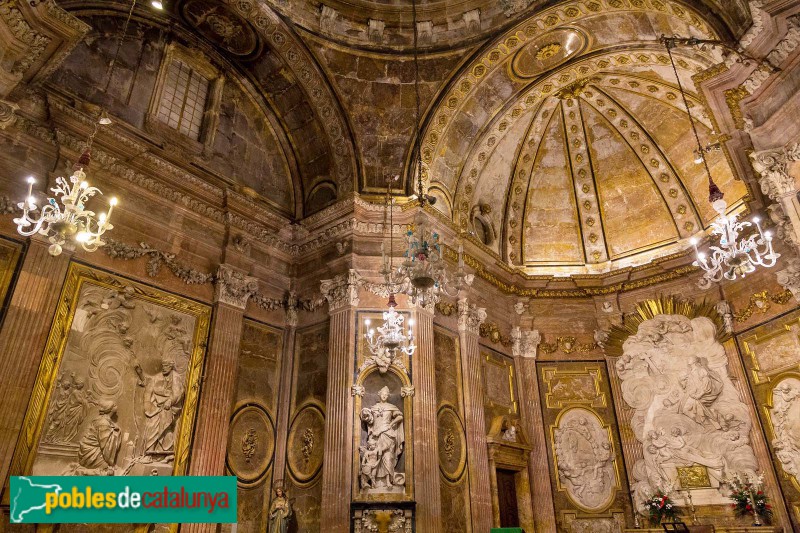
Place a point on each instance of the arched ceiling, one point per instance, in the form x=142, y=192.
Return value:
x=565, y=144
x=444, y=24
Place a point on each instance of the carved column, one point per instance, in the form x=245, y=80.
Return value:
x=469, y=320
x=218, y=389
x=526, y=344
x=337, y=470
x=284, y=393
x=24, y=335
x=426, y=455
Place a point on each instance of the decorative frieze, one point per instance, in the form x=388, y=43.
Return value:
x=157, y=259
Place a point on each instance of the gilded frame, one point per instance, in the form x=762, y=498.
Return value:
x=77, y=276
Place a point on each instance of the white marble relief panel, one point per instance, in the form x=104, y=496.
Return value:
x=674, y=374
x=785, y=416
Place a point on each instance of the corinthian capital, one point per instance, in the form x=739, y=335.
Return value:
x=525, y=343
x=342, y=290
x=233, y=287
x=773, y=169
x=470, y=317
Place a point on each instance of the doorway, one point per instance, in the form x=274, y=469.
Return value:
x=507, y=498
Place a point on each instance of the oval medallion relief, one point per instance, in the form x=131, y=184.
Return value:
x=584, y=457
x=548, y=51
x=306, y=443
x=221, y=25
x=251, y=443
x=452, y=449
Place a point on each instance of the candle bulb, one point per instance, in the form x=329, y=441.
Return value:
x=111, y=205
x=31, y=181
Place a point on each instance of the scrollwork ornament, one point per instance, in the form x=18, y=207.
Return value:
x=357, y=390
x=407, y=392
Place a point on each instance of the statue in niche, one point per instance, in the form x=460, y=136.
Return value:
x=385, y=443
x=280, y=512
x=163, y=399
x=98, y=448
x=687, y=410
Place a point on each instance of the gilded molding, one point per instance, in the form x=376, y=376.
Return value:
x=734, y=97
x=491, y=331
x=760, y=303
x=567, y=345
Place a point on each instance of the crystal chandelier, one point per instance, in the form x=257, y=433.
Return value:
x=736, y=255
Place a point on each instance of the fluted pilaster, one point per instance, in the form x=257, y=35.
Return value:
x=426, y=456
x=338, y=465
x=218, y=389
x=284, y=400
x=469, y=321
x=525, y=346
x=23, y=338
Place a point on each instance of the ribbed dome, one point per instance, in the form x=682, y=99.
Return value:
x=571, y=151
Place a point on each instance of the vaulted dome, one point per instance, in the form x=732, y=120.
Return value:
x=570, y=150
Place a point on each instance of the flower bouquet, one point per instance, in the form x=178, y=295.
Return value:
x=661, y=508
x=749, y=498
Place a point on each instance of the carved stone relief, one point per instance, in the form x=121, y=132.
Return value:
x=687, y=411
x=452, y=446
x=306, y=443
x=383, y=521
x=117, y=401
x=584, y=454
x=785, y=416
x=251, y=443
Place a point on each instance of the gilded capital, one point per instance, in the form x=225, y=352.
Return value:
x=233, y=287
x=342, y=290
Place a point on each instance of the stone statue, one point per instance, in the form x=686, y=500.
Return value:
x=385, y=443
x=280, y=511
x=703, y=386
x=163, y=399
x=97, y=451
x=58, y=407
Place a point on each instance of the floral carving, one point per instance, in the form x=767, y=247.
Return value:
x=249, y=442
x=308, y=444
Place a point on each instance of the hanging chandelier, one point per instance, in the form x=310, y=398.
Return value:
x=64, y=218
x=422, y=275
x=736, y=255
x=391, y=336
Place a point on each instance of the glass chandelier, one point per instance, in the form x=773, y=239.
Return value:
x=736, y=255
x=391, y=336
x=65, y=217
x=422, y=275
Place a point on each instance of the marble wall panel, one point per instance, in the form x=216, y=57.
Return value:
x=584, y=451
x=251, y=444
x=453, y=474
x=499, y=386
x=10, y=252
x=306, y=440
x=771, y=354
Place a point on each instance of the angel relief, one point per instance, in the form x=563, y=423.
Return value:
x=116, y=405
x=687, y=412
